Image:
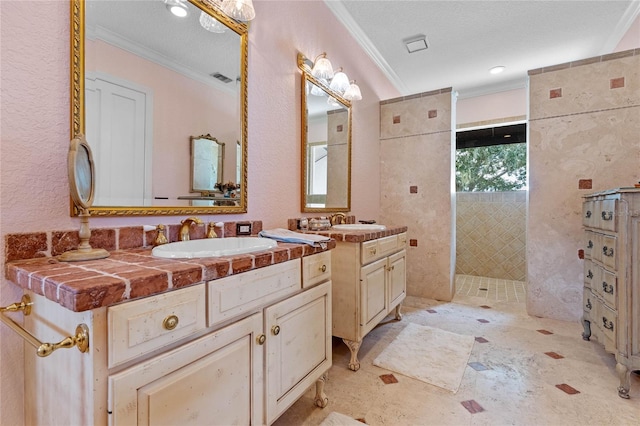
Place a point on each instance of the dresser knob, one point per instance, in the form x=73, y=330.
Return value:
x=261, y=339
x=607, y=215
x=275, y=330
x=607, y=288
x=607, y=324
x=588, y=214
x=323, y=268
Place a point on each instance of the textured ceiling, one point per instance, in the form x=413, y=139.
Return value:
x=467, y=38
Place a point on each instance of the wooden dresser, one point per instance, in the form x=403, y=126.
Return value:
x=611, y=301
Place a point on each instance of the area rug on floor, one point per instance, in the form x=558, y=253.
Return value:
x=337, y=419
x=428, y=354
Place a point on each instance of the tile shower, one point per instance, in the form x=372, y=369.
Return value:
x=491, y=234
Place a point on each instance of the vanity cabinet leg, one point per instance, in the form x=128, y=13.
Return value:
x=587, y=329
x=624, y=374
x=321, y=399
x=354, y=347
x=398, y=312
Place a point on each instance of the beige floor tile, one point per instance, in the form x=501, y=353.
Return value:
x=516, y=387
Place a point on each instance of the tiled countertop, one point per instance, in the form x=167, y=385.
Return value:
x=134, y=273
x=352, y=236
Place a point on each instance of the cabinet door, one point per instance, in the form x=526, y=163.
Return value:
x=212, y=380
x=298, y=346
x=397, y=282
x=373, y=300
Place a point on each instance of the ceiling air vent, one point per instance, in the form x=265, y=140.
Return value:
x=223, y=78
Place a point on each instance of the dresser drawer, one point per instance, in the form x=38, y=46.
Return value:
x=589, y=243
x=141, y=326
x=588, y=213
x=588, y=301
x=608, y=324
x=244, y=293
x=316, y=269
x=607, y=288
x=607, y=219
x=608, y=251
x=591, y=274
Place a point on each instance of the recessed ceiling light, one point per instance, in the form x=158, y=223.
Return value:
x=497, y=70
x=417, y=43
x=177, y=7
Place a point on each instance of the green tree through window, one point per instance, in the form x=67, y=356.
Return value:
x=491, y=168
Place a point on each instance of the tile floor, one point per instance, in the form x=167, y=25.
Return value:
x=490, y=288
x=522, y=370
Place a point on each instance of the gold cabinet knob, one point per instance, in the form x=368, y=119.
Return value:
x=261, y=339
x=170, y=322
x=275, y=330
x=323, y=268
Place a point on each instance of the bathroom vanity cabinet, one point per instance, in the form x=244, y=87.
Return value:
x=369, y=281
x=611, y=296
x=235, y=350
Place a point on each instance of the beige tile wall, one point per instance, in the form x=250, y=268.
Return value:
x=584, y=124
x=491, y=234
x=416, y=168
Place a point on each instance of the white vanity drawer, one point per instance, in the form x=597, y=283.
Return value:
x=141, y=326
x=316, y=269
x=402, y=240
x=233, y=296
x=377, y=249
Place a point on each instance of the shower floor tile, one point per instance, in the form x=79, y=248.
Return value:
x=496, y=289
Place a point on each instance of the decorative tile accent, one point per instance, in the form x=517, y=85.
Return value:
x=396, y=119
x=478, y=366
x=554, y=355
x=413, y=189
x=472, y=406
x=388, y=379
x=580, y=254
x=585, y=183
x=413, y=242
x=616, y=83
x=432, y=311
x=482, y=320
x=339, y=128
x=568, y=389
x=545, y=332
x=481, y=339
x=433, y=113
x=555, y=93
x=362, y=420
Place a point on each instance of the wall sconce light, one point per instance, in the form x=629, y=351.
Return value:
x=322, y=70
x=177, y=8
x=241, y=10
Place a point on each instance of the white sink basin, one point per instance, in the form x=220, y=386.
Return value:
x=359, y=227
x=212, y=247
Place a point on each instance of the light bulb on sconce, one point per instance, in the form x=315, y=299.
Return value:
x=241, y=10
x=322, y=67
x=339, y=82
x=353, y=92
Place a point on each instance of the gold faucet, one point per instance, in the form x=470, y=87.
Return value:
x=211, y=231
x=161, y=238
x=186, y=224
x=338, y=218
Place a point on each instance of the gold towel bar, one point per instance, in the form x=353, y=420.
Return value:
x=81, y=339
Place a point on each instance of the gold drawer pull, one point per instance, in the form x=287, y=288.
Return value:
x=588, y=214
x=607, y=288
x=261, y=339
x=80, y=340
x=372, y=251
x=607, y=324
x=607, y=215
x=323, y=268
x=275, y=330
x=607, y=251
x=170, y=322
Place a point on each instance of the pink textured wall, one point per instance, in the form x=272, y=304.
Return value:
x=35, y=130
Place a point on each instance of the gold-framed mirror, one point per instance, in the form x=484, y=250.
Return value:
x=326, y=146
x=142, y=81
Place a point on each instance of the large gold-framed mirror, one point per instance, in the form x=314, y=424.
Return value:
x=143, y=81
x=326, y=146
